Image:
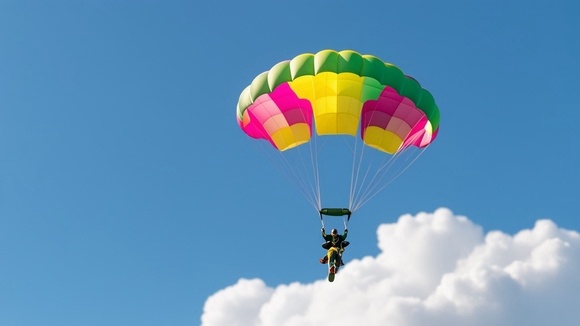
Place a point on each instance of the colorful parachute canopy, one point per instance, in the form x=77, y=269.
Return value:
x=341, y=93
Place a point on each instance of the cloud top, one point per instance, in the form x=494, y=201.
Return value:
x=433, y=269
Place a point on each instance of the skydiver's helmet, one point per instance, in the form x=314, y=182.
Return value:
x=334, y=232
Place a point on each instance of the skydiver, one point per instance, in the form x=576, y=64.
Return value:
x=334, y=240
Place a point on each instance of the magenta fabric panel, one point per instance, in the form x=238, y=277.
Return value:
x=390, y=104
x=294, y=109
x=282, y=102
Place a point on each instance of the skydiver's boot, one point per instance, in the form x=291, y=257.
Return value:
x=323, y=260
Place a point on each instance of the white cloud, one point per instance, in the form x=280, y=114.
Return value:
x=238, y=304
x=433, y=269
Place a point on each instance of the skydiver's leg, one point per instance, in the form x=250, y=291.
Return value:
x=326, y=246
x=343, y=245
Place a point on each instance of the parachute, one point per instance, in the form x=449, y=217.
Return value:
x=339, y=94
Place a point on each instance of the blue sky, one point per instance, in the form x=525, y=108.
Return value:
x=128, y=194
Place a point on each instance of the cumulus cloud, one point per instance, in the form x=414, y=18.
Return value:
x=433, y=269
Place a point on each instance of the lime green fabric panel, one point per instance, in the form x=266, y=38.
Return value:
x=279, y=74
x=302, y=65
x=259, y=86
